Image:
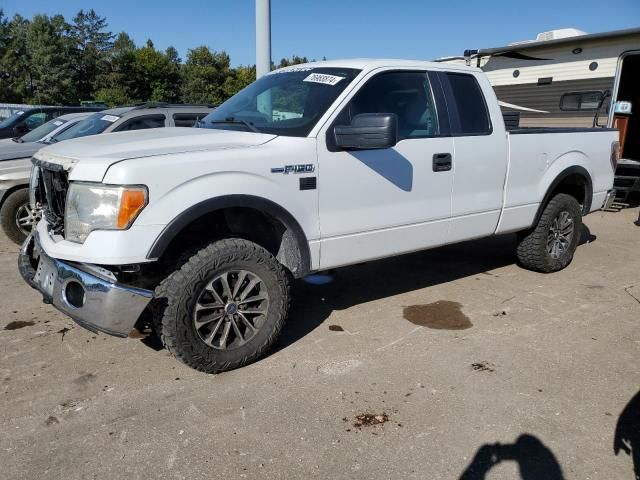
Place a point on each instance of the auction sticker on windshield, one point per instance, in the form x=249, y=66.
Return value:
x=323, y=78
x=110, y=118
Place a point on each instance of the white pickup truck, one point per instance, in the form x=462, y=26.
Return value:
x=311, y=167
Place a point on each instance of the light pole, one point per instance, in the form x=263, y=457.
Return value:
x=263, y=37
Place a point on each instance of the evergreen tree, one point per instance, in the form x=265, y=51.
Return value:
x=49, y=50
x=15, y=78
x=91, y=44
x=115, y=85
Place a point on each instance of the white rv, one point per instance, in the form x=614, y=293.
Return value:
x=568, y=78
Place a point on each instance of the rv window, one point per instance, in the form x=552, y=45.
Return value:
x=580, y=101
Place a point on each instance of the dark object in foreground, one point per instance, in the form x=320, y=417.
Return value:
x=535, y=460
x=627, y=436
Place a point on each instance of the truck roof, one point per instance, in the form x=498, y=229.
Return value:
x=373, y=63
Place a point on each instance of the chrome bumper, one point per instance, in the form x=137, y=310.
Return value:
x=92, y=300
x=609, y=199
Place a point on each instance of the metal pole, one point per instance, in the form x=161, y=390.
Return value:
x=263, y=37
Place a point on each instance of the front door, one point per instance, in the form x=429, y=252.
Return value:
x=375, y=203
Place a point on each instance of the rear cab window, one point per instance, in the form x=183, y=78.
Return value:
x=467, y=106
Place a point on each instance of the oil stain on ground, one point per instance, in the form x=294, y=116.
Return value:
x=18, y=324
x=441, y=315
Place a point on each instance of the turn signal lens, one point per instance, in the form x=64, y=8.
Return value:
x=131, y=204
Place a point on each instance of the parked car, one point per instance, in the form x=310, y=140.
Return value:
x=23, y=121
x=16, y=216
x=310, y=168
x=30, y=143
x=139, y=117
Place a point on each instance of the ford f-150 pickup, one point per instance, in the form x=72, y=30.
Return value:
x=311, y=167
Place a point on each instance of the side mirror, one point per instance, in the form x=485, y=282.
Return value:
x=20, y=130
x=368, y=131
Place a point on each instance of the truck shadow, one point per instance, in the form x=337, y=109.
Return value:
x=346, y=287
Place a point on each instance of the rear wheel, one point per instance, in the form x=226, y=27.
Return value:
x=17, y=217
x=550, y=245
x=224, y=307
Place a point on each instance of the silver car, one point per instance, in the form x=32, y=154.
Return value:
x=16, y=216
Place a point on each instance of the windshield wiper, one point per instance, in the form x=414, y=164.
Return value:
x=237, y=121
x=17, y=140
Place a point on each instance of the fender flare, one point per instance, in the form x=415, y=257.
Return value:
x=588, y=194
x=175, y=226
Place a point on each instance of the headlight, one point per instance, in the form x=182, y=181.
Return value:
x=92, y=207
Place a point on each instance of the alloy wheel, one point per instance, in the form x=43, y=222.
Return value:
x=560, y=234
x=230, y=309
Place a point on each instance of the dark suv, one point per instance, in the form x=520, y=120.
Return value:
x=23, y=121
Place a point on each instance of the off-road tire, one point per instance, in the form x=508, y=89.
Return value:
x=532, y=251
x=8, y=215
x=176, y=297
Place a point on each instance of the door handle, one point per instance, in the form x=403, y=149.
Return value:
x=442, y=162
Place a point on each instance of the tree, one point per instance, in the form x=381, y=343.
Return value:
x=115, y=85
x=295, y=60
x=238, y=78
x=204, y=75
x=90, y=42
x=15, y=78
x=157, y=74
x=50, y=66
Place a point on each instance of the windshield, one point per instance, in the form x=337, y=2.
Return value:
x=7, y=122
x=286, y=102
x=92, y=125
x=42, y=131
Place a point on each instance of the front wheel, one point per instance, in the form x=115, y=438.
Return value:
x=17, y=217
x=224, y=307
x=550, y=245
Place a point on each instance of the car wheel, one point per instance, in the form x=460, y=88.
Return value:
x=550, y=245
x=17, y=217
x=224, y=307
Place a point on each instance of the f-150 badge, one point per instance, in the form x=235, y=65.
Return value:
x=287, y=169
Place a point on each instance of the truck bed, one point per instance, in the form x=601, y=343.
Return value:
x=542, y=154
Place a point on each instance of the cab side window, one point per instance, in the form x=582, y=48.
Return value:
x=407, y=94
x=471, y=116
x=142, y=123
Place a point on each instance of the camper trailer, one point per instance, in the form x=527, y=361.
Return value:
x=568, y=78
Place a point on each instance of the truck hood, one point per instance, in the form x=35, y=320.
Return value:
x=90, y=157
x=11, y=150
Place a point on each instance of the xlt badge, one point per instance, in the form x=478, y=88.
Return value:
x=287, y=169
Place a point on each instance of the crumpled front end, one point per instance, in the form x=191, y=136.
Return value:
x=89, y=294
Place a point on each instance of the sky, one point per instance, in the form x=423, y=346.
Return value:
x=333, y=29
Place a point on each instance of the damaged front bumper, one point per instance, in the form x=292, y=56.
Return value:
x=89, y=294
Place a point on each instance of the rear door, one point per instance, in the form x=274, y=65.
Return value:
x=481, y=157
x=375, y=203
